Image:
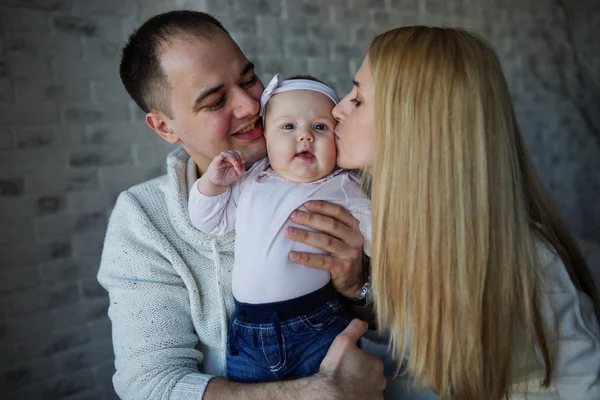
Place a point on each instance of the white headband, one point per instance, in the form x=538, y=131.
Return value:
x=277, y=86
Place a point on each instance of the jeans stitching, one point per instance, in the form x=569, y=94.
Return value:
x=330, y=305
x=244, y=325
x=282, y=357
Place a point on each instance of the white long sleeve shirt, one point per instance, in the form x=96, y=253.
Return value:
x=258, y=207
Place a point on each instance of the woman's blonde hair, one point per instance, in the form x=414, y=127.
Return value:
x=457, y=213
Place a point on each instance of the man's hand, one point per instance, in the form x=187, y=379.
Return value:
x=338, y=235
x=357, y=374
x=346, y=373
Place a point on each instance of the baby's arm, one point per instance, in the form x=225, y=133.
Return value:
x=210, y=206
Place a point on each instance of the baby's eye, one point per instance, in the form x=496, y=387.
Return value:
x=288, y=127
x=320, y=127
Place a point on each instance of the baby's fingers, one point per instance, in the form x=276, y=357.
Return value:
x=236, y=159
x=240, y=156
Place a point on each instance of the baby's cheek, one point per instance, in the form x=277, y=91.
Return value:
x=331, y=153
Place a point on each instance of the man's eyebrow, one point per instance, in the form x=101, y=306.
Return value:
x=207, y=92
x=249, y=67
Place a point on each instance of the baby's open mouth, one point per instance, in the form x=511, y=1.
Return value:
x=306, y=155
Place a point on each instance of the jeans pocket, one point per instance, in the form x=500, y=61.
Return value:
x=324, y=316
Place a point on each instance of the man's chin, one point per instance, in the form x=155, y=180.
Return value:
x=254, y=152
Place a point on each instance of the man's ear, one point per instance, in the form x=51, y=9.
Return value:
x=160, y=123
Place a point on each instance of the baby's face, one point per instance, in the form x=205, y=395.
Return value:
x=299, y=132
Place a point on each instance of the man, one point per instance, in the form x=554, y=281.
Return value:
x=169, y=284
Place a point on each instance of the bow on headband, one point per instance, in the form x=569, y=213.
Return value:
x=277, y=86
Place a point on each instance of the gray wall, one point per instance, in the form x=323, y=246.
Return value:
x=70, y=140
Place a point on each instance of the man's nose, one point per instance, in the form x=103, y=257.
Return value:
x=244, y=104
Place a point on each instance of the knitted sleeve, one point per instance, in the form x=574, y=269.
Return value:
x=152, y=331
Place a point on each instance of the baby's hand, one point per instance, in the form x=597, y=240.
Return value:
x=226, y=168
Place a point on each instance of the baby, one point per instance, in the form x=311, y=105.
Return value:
x=286, y=314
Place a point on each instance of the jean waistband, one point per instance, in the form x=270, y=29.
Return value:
x=287, y=309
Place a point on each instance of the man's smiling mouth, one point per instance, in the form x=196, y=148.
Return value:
x=246, y=129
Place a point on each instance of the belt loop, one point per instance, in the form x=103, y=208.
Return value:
x=277, y=326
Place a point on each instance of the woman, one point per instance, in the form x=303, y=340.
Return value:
x=477, y=278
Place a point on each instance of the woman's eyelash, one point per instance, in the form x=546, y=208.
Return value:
x=355, y=101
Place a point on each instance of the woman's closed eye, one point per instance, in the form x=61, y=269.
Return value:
x=356, y=102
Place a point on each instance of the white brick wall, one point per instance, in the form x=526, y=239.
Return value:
x=71, y=140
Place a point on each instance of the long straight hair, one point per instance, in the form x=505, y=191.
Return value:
x=458, y=216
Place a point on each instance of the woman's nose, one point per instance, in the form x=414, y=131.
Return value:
x=338, y=111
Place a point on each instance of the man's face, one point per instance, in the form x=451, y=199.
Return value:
x=214, y=98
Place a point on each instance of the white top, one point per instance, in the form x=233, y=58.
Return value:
x=258, y=206
x=576, y=372
x=170, y=299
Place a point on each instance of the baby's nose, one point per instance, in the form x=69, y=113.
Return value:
x=306, y=135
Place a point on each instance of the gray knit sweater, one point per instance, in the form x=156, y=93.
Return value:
x=169, y=287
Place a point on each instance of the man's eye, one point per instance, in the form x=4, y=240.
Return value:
x=216, y=105
x=320, y=127
x=288, y=127
x=250, y=83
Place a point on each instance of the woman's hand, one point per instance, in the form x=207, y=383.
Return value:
x=338, y=235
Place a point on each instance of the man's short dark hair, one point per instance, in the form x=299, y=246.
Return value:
x=140, y=69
